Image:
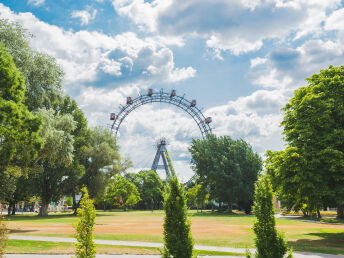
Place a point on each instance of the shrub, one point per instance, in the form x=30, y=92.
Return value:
x=85, y=246
x=3, y=236
x=177, y=236
x=269, y=242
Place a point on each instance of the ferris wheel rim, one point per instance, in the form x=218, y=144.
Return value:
x=163, y=97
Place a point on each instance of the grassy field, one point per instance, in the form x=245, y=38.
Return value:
x=45, y=247
x=215, y=229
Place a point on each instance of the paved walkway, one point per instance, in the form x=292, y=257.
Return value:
x=299, y=218
x=98, y=256
x=144, y=244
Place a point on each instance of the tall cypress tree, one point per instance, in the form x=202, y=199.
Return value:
x=85, y=248
x=269, y=242
x=177, y=236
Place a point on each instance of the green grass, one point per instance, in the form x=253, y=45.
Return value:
x=33, y=247
x=330, y=220
x=213, y=229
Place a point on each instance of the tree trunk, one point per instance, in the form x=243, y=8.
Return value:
x=43, y=211
x=9, y=208
x=305, y=214
x=12, y=208
x=340, y=212
x=318, y=213
x=74, y=204
x=230, y=206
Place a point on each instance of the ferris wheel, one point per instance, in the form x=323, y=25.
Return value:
x=190, y=107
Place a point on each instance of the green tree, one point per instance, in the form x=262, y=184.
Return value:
x=43, y=83
x=85, y=247
x=229, y=167
x=150, y=187
x=197, y=196
x=269, y=242
x=178, y=240
x=314, y=158
x=69, y=201
x=18, y=127
x=74, y=172
x=3, y=236
x=43, y=77
x=100, y=158
x=192, y=196
x=122, y=192
x=55, y=155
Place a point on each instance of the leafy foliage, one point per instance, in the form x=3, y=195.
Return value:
x=18, y=127
x=150, y=187
x=100, y=158
x=74, y=172
x=177, y=236
x=121, y=192
x=85, y=248
x=56, y=154
x=310, y=171
x=43, y=77
x=229, y=167
x=269, y=242
x=3, y=236
x=197, y=196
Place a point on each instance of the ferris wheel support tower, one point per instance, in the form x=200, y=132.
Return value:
x=163, y=97
x=163, y=154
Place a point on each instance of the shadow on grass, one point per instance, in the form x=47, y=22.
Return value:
x=218, y=214
x=36, y=217
x=330, y=243
x=20, y=231
x=23, y=217
x=123, y=211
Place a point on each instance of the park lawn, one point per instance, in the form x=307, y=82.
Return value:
x=45, y=247
x=213, y=229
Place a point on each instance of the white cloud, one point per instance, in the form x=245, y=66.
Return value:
x=36, y=2
x=84, y=16
x=335, y=21
x=236, y=46
x=286, y=68
x=257, y=61
x=255, y=118
x=229, y=25
x=93, y=57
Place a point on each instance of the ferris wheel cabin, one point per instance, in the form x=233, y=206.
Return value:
x=193, y=103
x=150, y=92
x=173, y=93
x=129, y=100
x=112, y=116
x=208, y=120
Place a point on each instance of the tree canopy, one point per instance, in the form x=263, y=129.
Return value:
x=310, y=171
x=43, y=77
x=100, y=158
x=150, y=187
x=228, y=167
x=18, y=127
x=122, y=193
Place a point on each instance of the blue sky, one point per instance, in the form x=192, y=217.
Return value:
x=241, y=60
